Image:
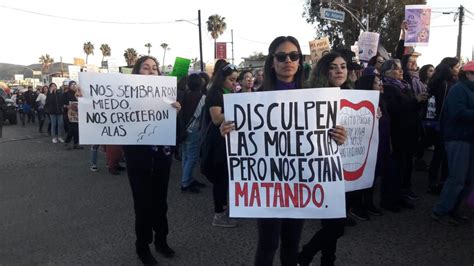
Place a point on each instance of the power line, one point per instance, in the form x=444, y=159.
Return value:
x=88, y=20
x=446, y=26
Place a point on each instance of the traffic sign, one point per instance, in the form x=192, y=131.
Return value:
x=331, y=14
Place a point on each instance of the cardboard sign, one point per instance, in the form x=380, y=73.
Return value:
x=72, y=112
x=418, y=18
x=181, y=67
x=127, y=109
x=359, y=152
x=368, y=43
x=281, y=160
x=319, y=48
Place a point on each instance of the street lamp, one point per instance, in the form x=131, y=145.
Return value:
x=200, y=36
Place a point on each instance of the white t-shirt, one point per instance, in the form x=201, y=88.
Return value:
x=42, y=99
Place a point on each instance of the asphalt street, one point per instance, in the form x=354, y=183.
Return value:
x=55, y=211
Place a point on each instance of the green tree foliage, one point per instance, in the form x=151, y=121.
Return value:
x=106, y=51
x=131, y=56
x=45, y=60
x=386, y=17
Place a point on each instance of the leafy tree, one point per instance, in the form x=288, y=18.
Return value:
x=45, y=60
x=88, y=49
x=385, y=18
x=165, y=48
x=216, y=26
x=105, y=49
x=256, y=55
x=148, y=45
x=131, y=56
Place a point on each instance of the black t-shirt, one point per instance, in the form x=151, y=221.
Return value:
x=215, y=98
x=216, y=142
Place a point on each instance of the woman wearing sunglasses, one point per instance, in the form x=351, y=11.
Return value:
x=246, y=81
x=148, y=169
x=213, y=151
x=283, y=71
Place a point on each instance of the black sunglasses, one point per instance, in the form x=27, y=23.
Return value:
x=281, y=56
x=229, y=66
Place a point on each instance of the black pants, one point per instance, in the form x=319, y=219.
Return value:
x=438, y=161
x=41, y=117
x=390, y=187
x=73, y=133
x=269, y=233
x=148, y=173
x=325, y=240
x=219, y=178
x=404, y=158
x=31, y=116
x=363, y=199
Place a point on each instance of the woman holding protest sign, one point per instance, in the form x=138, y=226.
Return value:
x=283, y=71
x=148, y=169
x=331, y=71
x=213, y=155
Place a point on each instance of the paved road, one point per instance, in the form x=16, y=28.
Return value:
x=54, y=211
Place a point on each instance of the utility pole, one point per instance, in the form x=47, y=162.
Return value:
x=232, y=42
x=461, y=20
x=368, y=15
x=200, y=41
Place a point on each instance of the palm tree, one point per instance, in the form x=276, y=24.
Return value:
x=165, y=47
x=194, y=62
x=131, y=56
x=45, y=61
x=148, y=45
x=105, y=49
x=88, y=49
x=216, y=26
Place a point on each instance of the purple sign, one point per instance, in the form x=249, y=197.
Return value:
x=418, y=18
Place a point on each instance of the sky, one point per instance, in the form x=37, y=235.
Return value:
x=28, y=35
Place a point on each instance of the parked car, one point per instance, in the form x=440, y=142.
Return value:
x=9, y=111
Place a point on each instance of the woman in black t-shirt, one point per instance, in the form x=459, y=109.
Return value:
x=213, y=159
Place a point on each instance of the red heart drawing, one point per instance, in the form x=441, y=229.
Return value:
x=351, y=175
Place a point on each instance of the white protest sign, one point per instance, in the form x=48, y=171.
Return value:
x=418, y=18
x=368, y=43
x=281, y=160
x=359, y=152
x=74, y=72
x=127, y=109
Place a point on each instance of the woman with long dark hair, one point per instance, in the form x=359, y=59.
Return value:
x=458, y=136
x=444, y=77
x=283, y=71
x=213, y=154
x=426, y=72
x=54, y=108
x=148, y=169
x=331, y=71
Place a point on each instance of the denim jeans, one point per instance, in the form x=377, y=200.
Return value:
x=94, y=150
x=56, y=123
x=460, y=155
x=190, y=156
